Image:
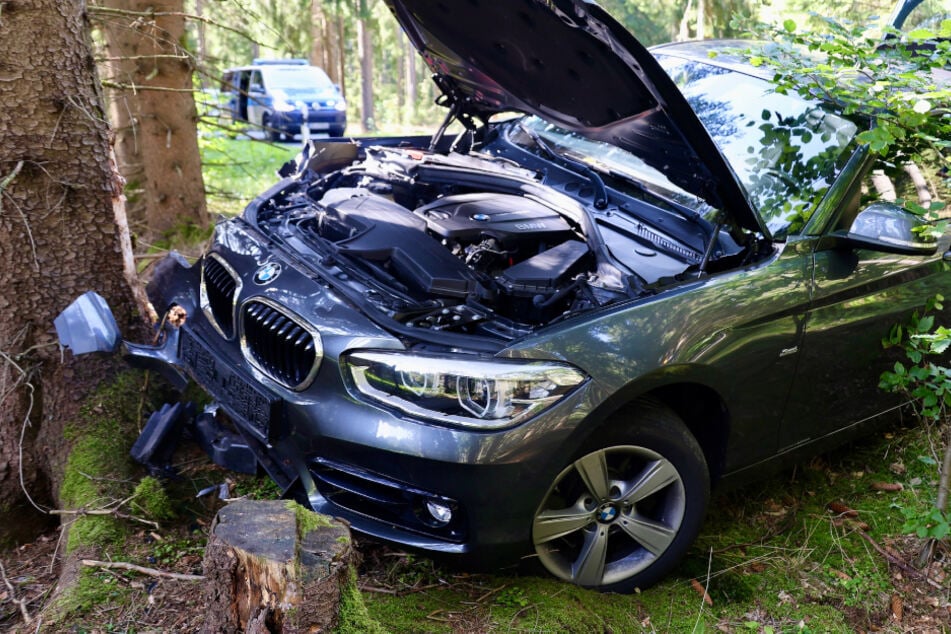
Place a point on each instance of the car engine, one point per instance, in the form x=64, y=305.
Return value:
x=454, y=243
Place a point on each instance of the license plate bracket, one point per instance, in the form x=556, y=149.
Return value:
x=244, y=401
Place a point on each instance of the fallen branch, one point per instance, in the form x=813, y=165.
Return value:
x=13, y=597
x=113, y=512
x=897, y=561
x=152, y=572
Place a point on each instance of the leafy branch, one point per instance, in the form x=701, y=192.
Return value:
x=891, y=80
x=928, y=384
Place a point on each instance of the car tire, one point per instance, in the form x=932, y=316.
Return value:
x=336, y=131
x=625, y=511
x=273, y=134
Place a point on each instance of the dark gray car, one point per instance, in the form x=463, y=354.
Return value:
x=550, y=334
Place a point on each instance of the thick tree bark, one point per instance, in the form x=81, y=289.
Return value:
x=58, y=236
x=152, y=109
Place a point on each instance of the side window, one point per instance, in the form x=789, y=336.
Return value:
x=912, y=184
x=916, y=185
x=257, y=84
x=925, y=14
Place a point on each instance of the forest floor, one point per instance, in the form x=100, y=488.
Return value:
x=817, y=549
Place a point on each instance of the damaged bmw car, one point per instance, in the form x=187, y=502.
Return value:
x=632, y=275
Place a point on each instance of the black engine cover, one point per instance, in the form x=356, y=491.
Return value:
x=507, y=218
x=368, y=226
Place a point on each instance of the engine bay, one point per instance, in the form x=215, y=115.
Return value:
x=469, y=244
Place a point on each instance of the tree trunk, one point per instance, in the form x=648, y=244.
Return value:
x=365, y=38
x=701, y=18
x=412, y=94
x=341, y=55
x=153, y=112
x=58, y=236
x=272, y=566
x=202, y=52
x=325, y=41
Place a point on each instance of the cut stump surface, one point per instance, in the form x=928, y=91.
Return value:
x=273, y=566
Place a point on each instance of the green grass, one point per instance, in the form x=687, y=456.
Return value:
x=238, y=168
x=773, y=558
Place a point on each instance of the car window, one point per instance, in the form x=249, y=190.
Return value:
x=785, y=150
x=921, y=14
x=298, y=77
x=256, y=84
x=915, y=185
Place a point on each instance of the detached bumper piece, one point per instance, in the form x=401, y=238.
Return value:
x=157, y=442
x=226, y=448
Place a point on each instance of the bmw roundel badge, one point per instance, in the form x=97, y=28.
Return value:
x=267, y=273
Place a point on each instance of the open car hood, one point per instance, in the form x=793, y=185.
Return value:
x=572, y=64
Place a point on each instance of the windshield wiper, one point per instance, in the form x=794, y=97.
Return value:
x=601, y=191
x=689, y=213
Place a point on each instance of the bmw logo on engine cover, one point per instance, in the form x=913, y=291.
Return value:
x=267, y=273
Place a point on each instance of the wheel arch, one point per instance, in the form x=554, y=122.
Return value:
x=701, y=408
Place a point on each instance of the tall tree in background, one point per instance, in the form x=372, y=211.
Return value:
x=60, y=199
x=152, y=109
x=365, y=38
x=327, y=39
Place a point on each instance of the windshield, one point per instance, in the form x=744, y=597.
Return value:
x=785, y=150
x=300, y=78
x=612, y=160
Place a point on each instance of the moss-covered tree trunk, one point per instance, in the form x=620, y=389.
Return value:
x=152, y=109
x=58, y=238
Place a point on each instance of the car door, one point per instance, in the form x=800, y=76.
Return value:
x=857, y=296
x=257, y=99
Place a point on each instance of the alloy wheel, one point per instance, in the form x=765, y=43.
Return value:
x=609, y=515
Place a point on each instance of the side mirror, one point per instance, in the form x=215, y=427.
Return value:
x=889, y=228
x=87, y=325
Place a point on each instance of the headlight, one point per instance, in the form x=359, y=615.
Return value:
x=485, y=394
x=341, y=106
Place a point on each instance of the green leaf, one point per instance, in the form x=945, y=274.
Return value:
x=922, y=34
x=789, y=25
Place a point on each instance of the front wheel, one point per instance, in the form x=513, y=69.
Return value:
x=273, y=134
x=623, y=514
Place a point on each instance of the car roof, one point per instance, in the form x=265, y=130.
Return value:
x=266, y=67
x=723, y=53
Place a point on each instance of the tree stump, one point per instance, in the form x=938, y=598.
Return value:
x=273, y=566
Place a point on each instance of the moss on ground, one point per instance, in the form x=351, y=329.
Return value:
x=153, y=500
x=78, y=604
x=98, y=468
x=353, y=617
